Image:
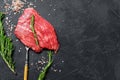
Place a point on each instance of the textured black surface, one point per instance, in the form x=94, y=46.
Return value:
x=89, y=36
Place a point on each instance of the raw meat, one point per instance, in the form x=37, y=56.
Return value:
x=45, y=32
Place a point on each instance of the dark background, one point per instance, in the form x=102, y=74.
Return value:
x=89, y=36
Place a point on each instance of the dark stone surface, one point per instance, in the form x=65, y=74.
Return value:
x=89, y=36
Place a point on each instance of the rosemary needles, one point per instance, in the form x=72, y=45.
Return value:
x=6, y=46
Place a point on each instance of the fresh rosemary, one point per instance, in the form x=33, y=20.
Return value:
x=44, y=71
x=6, y=46
x=33, y=30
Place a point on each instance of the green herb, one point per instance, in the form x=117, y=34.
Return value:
x=6, y=46
x=33, y=30
x=50, y=61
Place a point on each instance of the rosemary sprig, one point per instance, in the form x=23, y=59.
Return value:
x=6, y=46
x=33, y=30
x=44, y=71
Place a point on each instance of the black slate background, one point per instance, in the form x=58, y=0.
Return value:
x=89, y=36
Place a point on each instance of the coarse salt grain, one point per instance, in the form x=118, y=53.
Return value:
x=49, y=14
x=55, y=70
x=40, y=62
x=19, y=50
x=17, y=5
x=16, y=40
x=31, y=64
x=62, y=61
x=6, y=18
x=60, y=70
x=54, y=9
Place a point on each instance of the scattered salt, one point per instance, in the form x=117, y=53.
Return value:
x=54, y=9
x=31, y=64
x=19, y=50
x=62, y=61
x=17, y=5
x=60, y=70
x=55, y=70
x=6, y=18
x=49, y=14
x=16, y=40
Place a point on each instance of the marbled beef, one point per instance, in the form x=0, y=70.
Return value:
x=44, y=30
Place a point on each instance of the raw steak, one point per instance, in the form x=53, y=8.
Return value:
x=44, y=30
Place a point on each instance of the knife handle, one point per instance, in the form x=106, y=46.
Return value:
x=26, y=72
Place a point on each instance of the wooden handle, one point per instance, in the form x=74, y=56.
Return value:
x=26, y=72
